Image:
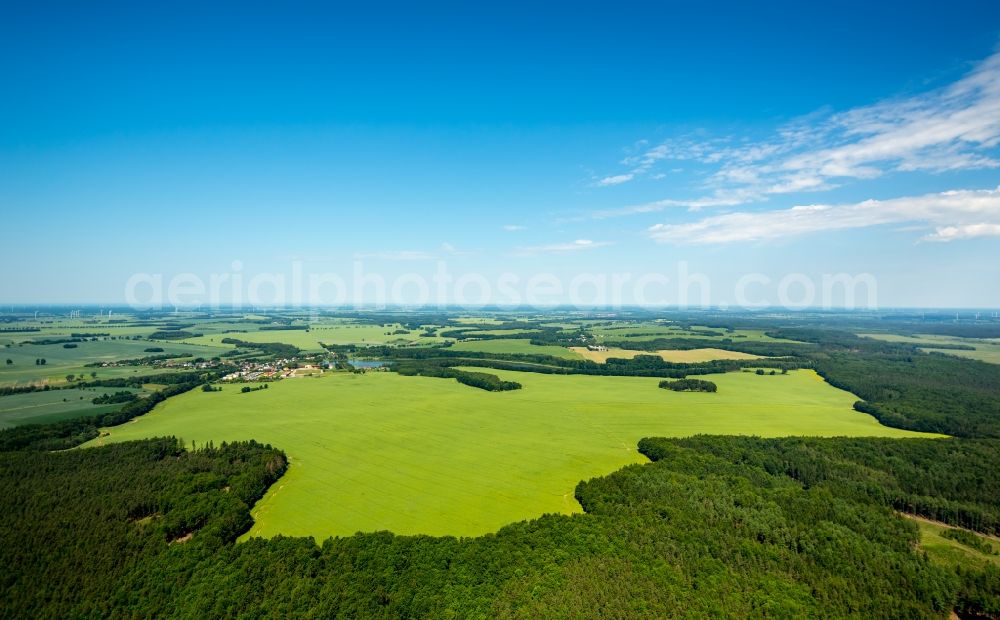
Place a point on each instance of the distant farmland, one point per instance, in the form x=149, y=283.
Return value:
x=689, y=356
x=514, y=345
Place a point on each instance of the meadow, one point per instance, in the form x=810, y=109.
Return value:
x=326, y=333
x=514, y=345
x=54, y=405
x=949, y=551
x=986, y=350
x=61, y=361
x=420, y=455
x=634, y=332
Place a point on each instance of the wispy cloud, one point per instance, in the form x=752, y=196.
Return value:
x=952, y=215
x=562, y=248
x=617, y=179
x=721, y=198
x=513, y=227
x=954, y=127
x=396, y=255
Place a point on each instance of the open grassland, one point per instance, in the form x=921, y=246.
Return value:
x=986, y=350
x=60, y=361
x=949, y=551
x=691, y=356
x=477, y=320
x=635, y=332
x=514, y=345
x=425, y=455
x=63, y=327
x=53, y=405
x=477, y=333
x=327, y=333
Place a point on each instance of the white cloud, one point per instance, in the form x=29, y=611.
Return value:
x=561, y=248
x=513, y=227
x=954, y=127
x=956, y=214
x=968, y=231
x=617, y=179
x=721, y=198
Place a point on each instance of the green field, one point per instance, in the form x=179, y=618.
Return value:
x=327, y=333
x=425, y=455
x=53, y=405
x=986, y=350
x=478, y=333
x=951, y=552
x=635, y=332
x=514, y=345
x=60, y=361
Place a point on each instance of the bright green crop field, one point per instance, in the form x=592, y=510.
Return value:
x=60, y=361
x=631, y=332
x=514, y=345
x=986, y=350
x=54, y=405
x=326, y=333
x=420, y=455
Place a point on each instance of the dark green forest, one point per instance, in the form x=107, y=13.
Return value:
x=712, y=527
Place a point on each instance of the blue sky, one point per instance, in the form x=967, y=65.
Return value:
x=574, y=138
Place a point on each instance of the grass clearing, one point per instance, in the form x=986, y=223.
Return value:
x=987, y=350
x=691, y=356
x=333, y=333
x=949, y=551
x=634, y=332
x=60, y=361
x=54, y=405
x=514, y=345
x=420, y=455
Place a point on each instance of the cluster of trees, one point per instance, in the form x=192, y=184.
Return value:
x=40, y=361
x=48, y=341
x=143, y=361
x=275, y=349
x=246, y=388
x=172, y=334
x=689, y=385
x=115, y=398
x=481, y=380
x=27, y=389
x=971, y=540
